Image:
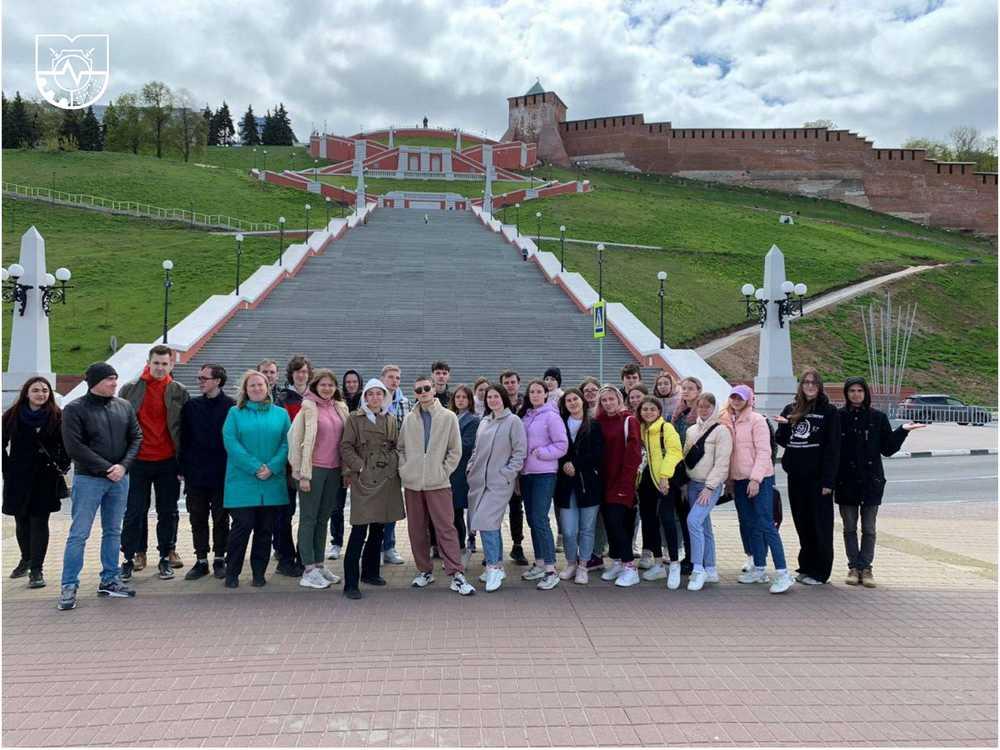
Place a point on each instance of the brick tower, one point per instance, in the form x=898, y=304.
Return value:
x=534, y=118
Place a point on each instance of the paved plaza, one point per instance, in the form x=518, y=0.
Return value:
x=912, y=662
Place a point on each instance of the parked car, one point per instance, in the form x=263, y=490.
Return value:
x=940, y=407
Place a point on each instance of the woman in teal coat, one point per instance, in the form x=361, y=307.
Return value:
x=256, y=438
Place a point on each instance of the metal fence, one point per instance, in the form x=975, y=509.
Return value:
x=135, y=208
x=895, y=408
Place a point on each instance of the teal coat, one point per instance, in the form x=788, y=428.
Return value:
x=254, y=435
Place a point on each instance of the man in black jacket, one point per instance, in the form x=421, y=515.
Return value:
x=102, y=436
x=203, y=466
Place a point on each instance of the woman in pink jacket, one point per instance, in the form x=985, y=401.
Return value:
x=751, y=475
x=547, y=443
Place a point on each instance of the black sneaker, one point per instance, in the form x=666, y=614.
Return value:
x=687, y=568
x=67, y=598
x=198, y=570
x=258, y=581
x=352, y=593
x=116, y=589
x=517, y=555
x=232, y=582
x=219, y=568
x=36, y=580
x=373, y=580
x=127, y=567
x=165, y=570
x=21, y=570
x=290, y=569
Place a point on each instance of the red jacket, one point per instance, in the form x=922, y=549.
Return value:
x=621, y=457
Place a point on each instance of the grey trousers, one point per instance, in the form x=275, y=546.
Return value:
x=859, y=558
x=315, y=509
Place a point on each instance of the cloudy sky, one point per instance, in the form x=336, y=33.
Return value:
x=889, y=69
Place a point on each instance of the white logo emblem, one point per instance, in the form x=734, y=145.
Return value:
x=71, y=72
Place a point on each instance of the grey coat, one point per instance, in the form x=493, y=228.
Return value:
x=501, y=447
x=369, y=460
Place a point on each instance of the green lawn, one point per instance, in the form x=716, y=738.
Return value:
x=439, y=141
x=382, y=185
x=118, y=278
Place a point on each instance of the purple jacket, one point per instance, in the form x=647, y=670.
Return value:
x=547, y=441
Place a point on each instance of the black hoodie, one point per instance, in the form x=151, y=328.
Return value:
x=812, y=446
x=866, y=436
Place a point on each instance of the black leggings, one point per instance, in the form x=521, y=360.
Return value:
x=619, y=523
x=681, y=507
x=649, y=516
x=258, y=520
x=368, y=552
x=33, y=539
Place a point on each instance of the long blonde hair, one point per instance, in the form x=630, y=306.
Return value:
x=242, y=397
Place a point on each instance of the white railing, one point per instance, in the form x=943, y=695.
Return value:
x=392, y=173
x=135, y=208
x=895, y=408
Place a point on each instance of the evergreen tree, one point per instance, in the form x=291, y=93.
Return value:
x=69, y=131
x=224, y=125
x=108, y=122
x=283, y=127
x=210, y=129
x=90, y=132
x=7, y=138
x=21, y=129
x=267, y=133
x=248, y=129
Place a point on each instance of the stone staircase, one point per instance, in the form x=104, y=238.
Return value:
x=401, y=291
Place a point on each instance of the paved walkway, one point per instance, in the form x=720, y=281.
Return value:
x=913, y=662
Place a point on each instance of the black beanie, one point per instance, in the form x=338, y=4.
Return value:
x=553, y=372
x=97, y=372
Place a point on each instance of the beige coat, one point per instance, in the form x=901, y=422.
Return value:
x=302, y=437
x=714, y=465
x=430, y=469
x=371, y=464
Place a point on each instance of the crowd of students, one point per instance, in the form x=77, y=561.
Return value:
x=616, y=462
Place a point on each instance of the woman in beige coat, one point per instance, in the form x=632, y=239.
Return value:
x=371, y=470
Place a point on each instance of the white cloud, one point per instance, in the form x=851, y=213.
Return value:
x=888, y=70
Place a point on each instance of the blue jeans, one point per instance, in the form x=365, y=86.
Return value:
x=700, y=526
x=578, y=525
x=91, y=494
x=759, y=512
x=492, y=546
x=537, y=489
x=389, y=536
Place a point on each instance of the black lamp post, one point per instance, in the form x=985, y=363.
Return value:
x=517, y=219
x=308, y=208
x=239, y=254
x=538, y=229
x=265, y=159
x=328, y=211
x=281, y=240
x=315, y=170
x=168, y=266
x=255, y=158
x=562, y=247
x=600, y=271
x=662, y=276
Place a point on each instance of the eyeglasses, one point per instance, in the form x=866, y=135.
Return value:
x=423, y=389
x=202, y=378
x=810, y=382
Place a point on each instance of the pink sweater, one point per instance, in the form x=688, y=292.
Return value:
x=329, y=430
x=751, y=456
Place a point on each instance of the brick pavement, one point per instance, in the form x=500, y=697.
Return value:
x=191, y=664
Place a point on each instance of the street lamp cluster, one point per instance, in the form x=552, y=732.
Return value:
x=16, y=292
x=789, y=307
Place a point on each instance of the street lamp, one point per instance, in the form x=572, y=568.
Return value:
x=517, y=219
x=600, y=271
x=789, y=307
x=315, y=169
x=239, y=254
x=562, y=247
x=308, y=208
x=168, y=266
x=265, y=159
x=328, y=211
x=13, y=290
x=538, y=229
x=662, y=276
x=255, y=157
x=281, y=239
x=51, y=293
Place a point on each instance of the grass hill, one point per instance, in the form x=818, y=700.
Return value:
x=713, y=239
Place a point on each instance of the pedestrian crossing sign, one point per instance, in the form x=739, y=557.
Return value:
x=599, y=327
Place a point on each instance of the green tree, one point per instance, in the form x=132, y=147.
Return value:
x=158, y=107
x=90, y=132
x=211, y=133
x=187, y=130
x=69, y=131
x=20, y=126
x=224, y=125
x=248, y=129
x=127, y=132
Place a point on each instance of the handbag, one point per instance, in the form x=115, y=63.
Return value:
x=691, y=458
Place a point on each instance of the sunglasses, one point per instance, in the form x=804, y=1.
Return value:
x=423, y=389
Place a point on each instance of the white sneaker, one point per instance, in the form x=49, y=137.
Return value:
x=808, y=580
x=493, y=578
x=422, y=580
x=647, y=560
x=654, y=573
x=461, y=586
x=582, y=576
x=628, y=577
x=782, y=582
x=711, y=575
x=697, y=580
x=568, y=572
x=674, y=577
x=747, y=564
x=754, y=575
x=329, y=575
x=333, y=552
x=614, y=571
x=391, y=557
x=549, y=581
x=533, y=573
x=483, y=576
x=313, y=579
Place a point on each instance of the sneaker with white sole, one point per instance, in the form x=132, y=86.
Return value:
x=313, y=579
x=493, y=577
x=754, y=575
x=533, y=573
x=423, y=580
x=568, y=572
x=115, y=589
x=711, y=575
x=461, y=586
x=483, y=575
x=333, y=552
x=549, y=581
x=782, y=582
x=647, y=560
x=808, y=580
x=329, y=575
x=747, y=564
x=655, y=573
x=391, y=557
x=629, y=577
x=614, y=571
x=582, y=577
x=674, y=576
x=697, y=580
x=67, y=598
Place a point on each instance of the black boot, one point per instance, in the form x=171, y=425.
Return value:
x=35, y=580
x=517, y=555
x=198, y=570
x=21, y=570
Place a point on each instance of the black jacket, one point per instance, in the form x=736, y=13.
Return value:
x=33, y=467
x=100, y=432
x=203, y=456
x=866, y=436
x=812, y=447
x=468, y=424
x=585, y=454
